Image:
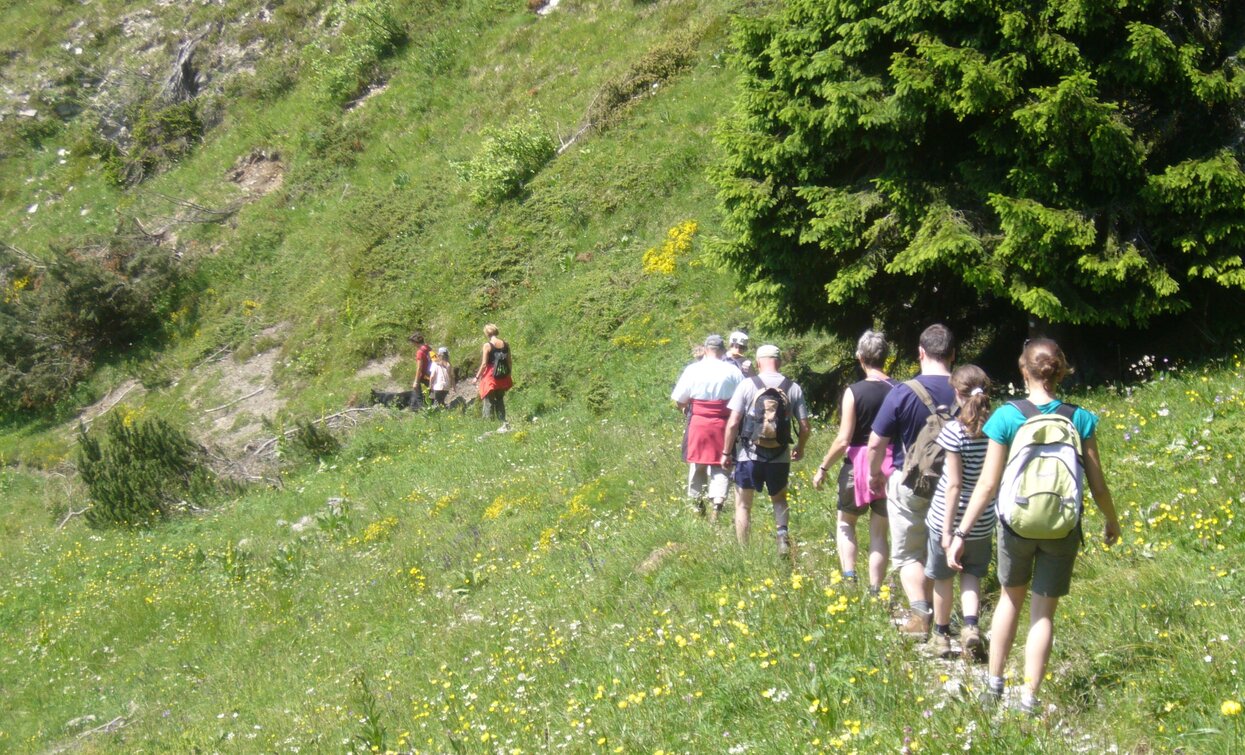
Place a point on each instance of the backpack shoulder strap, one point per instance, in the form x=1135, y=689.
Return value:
x=1026, y=408
x=758, y=382
x=785, y=386
x=921, y=393
x=1066, y=410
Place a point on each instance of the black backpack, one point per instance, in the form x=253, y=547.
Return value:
x=501, y=361
x=767, y=423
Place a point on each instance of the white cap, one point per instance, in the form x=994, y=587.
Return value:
x=739, y=337
x=769, y=351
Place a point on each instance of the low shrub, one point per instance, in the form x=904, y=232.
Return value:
x=138, y=470
x=507, y=160
x=367, y=33
x=160, y=135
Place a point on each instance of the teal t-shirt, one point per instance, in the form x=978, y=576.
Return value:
x=1007, y=419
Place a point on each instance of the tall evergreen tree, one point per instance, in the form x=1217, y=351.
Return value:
x=1076, y=160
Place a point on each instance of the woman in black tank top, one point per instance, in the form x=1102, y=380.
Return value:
x=861, y=402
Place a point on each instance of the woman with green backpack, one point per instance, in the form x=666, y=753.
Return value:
x=1038, y=449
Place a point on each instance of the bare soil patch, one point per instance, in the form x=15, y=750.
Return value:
x=258, y=173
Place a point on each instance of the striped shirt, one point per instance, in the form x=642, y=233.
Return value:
x=972, y=453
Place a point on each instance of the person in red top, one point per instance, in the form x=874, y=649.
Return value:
x=493, y=377
x=423, y=368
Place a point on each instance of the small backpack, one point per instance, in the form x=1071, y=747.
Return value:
x=768, y=421
x=501, y=361
x=1041, y=496
x=923, y=460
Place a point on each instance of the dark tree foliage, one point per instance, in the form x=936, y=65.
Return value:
x=1079, y=161
x=59, y=315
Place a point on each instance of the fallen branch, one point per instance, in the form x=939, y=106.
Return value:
x=270, y=442
x=117, y=723
x=69, y=516
x=211, y=357
x=231, y=403
x=87, y=422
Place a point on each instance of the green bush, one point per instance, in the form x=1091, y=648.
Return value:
x=367, y=33
x=138, y=470
x=310, y=442
x=507, y=160
x=58, y=316
x=657, y=66
x=159, y=136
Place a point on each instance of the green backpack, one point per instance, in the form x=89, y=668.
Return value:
x=1041, y=496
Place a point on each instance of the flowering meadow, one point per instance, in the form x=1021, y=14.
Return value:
x=432, y=590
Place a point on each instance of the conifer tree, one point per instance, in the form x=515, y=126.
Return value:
x=1076, y=160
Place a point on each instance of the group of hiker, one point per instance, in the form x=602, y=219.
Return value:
x=435, y=373
x=936, y=472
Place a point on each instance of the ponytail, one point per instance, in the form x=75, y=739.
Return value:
x=971, y=381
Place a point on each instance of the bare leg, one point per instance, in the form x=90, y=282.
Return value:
x=743, y=513
x=879, y=549
x=846, y=540
x=782, y=512
x=970, y=587
x=1041, y=635
x=1003, y=626
x=943, y=593
x=915, y=585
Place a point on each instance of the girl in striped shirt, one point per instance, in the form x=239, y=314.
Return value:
x=966, y=450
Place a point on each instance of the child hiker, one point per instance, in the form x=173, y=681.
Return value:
x=966, y=450
x=441, y=374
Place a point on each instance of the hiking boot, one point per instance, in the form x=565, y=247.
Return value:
x=942, y=645
x=715, y=514
x=989, y=698
x=917, y=625
x=505, y=427
x=974, y=650
x=784, y=546
x=1029, y=705
x=700, y=507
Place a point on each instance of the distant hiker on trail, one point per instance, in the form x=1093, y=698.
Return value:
x=1037, y=451
x=861, y=402
x=908, y=409
x=966, y=450
x=423, y=364
x=442, y=376
x=702, y=393
x=737, y=353
x=494, y=377
x=763, y=409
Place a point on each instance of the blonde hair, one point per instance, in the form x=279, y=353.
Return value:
x=1043, y=360
x=966, y=380
x=491, y=330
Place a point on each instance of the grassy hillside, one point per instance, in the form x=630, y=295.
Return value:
x=435, y=588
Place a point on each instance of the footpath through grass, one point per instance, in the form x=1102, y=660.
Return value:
x=435, y=590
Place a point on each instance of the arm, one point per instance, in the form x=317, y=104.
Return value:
x=1102, y=496
x=877, y=453
x=953, y=469
x=983, y=493
x=806, y=430
x=484, y=352
x=838, y=446
x=732, y=434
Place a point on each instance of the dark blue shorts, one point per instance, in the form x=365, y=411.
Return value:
x=762, y=475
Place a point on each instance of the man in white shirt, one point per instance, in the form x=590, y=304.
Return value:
x=702, y=394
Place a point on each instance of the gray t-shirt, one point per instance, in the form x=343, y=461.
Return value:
x=741, y=401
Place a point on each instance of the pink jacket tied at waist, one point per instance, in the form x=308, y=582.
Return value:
x=858, y=457
x=706, y=431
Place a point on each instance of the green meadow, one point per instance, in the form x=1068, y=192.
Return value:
x=436, y=587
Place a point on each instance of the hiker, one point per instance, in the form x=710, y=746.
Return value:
x=763, y=408
x=966, y=450
x=702, y=393
x=441, y=381
x=423, y=363
x=493, y=377
x=899, y=423
x=1037, y=543
x=737, y=353
x=861, y=402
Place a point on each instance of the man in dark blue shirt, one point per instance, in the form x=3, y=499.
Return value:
x=899, y=421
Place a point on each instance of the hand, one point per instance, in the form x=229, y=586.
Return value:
x=819, y=478
x=475, y=379
x=877, y=482
x=1111, y=532
x=728, y=461
x=954, y=550
x=946, y=541
x=797, y=453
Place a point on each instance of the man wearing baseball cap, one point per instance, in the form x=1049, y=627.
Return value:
x=763, y=411
x=702, y=394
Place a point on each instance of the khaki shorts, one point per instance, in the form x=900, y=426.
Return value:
x=1046, y=563
x=906, y=514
